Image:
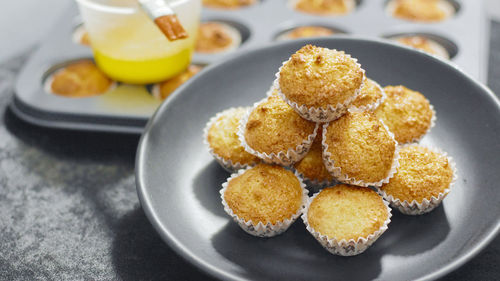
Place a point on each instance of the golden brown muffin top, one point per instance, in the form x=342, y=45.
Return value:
x=422, y=173
x=274, y=126
x=318, y=77
x=312, y=166
x=422, y=10
x=264, y=194
x=325, y=7
x=228, y=4
x=370, y=94
x=361, y=146
x=347, y=212
x=168, y=86
x=80, y=79
x=407, y=113
x=224, y=141
x=424, y=44
x=214, y=37
x=308, y=31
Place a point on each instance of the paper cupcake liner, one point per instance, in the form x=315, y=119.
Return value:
x=427, y=205
x=344, y=247
x=315, y=185
x=47, y=85
x=260, y=229
x=345, y=178
x=371, y=106
x=227, y=164
x=320, y=114
x=282, y=158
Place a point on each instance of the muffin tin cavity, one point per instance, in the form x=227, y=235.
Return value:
x=324, y=8
x=308, y=30
x=418, y=11
x=220, y=36
x=79, y=78
x=435, y=40
x=229, y=5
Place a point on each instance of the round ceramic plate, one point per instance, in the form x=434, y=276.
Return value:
x=178, y=182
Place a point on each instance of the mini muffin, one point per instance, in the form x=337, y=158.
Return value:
x=223, y=143
x=217, y=37
x=228, y=4
x=346, y=219
x=421, y=10
x=274, y=132
x=425, y=44
x=312, y=169
x=306, y=32
x=423, y=179
x=165, y=88
x=372, y=95
x=407, y=113
x=320, y=83
x=79, y=79
x=325, y=7
x=264, y=200
x=359, y=149
x=81, y=36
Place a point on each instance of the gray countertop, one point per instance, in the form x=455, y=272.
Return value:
x=69, y=209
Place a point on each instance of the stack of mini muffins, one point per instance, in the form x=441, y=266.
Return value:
x=324, y=126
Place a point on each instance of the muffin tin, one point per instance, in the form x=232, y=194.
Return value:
x=465, y=36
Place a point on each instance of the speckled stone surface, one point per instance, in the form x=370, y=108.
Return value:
x=69, y=209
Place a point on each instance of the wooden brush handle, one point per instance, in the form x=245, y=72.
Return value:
x=171, y=27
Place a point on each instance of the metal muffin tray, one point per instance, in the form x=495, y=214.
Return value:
x=464, y=35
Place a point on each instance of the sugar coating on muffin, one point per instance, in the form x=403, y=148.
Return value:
x=421, y=10
x=312, y=166
x=370, y=97
x=320, y=77
x=223, y=139
x=422, y=174
x=216, y=37
x=360, y=145
x=407, y=113
x=306, y=32
x=347, y=212
x=228, y=4
x=325, y=7
x=79, y=79
x=273, y=127
x=264, y=193
x=425, y=44
x=165, y=88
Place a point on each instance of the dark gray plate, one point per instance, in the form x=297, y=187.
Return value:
x=178, y=181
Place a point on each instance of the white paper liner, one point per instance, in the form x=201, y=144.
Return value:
x=427, y=205
x=371, y=106
x=47, y=85
x=314, y=184
x=260, y=229
x=320, y=114
x=444, y=5
x=282, y=158
x=343, y=247
x=337, y=171
x=227, y=164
